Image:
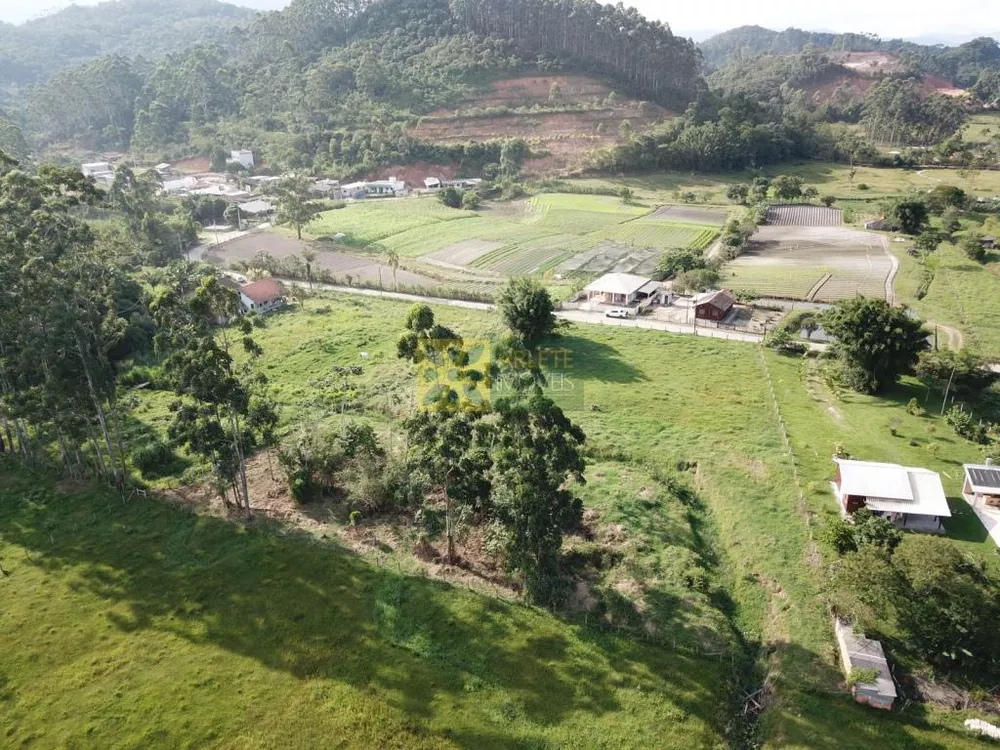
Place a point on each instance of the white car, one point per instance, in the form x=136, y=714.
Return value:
x=616, y=312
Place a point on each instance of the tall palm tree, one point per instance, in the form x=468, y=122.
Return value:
x=309, y=255
x=393, y=260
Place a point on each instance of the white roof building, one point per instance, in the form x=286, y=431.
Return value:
x=257, y=207
x=174, y=187
x=900, y=493
x=622, y=289
x=242, y=157
x=982, y=485
x=95, y=168
x=223, y=191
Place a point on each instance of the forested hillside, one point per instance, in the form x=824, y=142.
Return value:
x=297, y=84
x=149, y=28
x=965, y=66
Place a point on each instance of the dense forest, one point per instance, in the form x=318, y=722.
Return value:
x=964, y=65
x=38, y=49
x=338, y=86
x=289, y=81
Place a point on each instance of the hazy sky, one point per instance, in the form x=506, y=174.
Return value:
x=887, y=18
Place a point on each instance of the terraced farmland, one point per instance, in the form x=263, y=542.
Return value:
x=366, y=222
x=783, y=282
x=660, y=235
x=581, y=234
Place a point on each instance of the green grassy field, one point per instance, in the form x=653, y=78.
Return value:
x=188, y=618
x=982, y=126
x=828, y=178
x=370, y=221
x=963, y=295
x=145, y=626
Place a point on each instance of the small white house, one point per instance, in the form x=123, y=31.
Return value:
x=378, y=188
x=982, y=485
x=244, y=158
x=179, y=186
x=623, y=289
x=911, y=498
x=262, y=296
x=94, y=169
x=224, y=191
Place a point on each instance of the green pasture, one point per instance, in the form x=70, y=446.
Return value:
x=963, y=294
x=144, y=625
x=827, y=178
x=365, y=222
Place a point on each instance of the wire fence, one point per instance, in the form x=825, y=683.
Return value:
x=802, y=504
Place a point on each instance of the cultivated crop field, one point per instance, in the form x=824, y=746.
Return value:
x=821, y=264
x=366, y=222
x=551, y=233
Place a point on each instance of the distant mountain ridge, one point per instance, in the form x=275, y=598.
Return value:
x=37, y=49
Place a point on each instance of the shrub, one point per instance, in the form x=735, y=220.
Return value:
x=862, y=676
x=471, y=201
x=828, y=200
x=782, y=340
x=965, y=425
x=450, y=197
x=154, y=459
x=863, y=186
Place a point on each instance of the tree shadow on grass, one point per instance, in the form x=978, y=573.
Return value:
x=586, y=359
x=964, y=525
x=318, y=612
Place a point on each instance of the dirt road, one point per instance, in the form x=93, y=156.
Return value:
x=574, y=316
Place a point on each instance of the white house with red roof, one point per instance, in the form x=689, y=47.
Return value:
x=262, y=296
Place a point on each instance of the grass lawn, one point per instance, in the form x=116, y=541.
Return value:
x=145, y=626
x=226, y=637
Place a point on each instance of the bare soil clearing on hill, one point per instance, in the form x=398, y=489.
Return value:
x=578, y=119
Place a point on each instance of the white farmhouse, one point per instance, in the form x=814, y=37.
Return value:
x=244, y=158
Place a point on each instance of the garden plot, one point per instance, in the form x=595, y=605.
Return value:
x=463, y=253
x=645, y=233
x=339, y=266
x=608, y=257
x=804, y=216
x=690, y=215
x=822, y=264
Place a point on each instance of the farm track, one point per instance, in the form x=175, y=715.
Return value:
x=819, y=285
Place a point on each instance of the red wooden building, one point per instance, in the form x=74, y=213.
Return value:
x=714, y=305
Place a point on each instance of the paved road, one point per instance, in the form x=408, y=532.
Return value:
x=200, y=252
x=574, y=316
